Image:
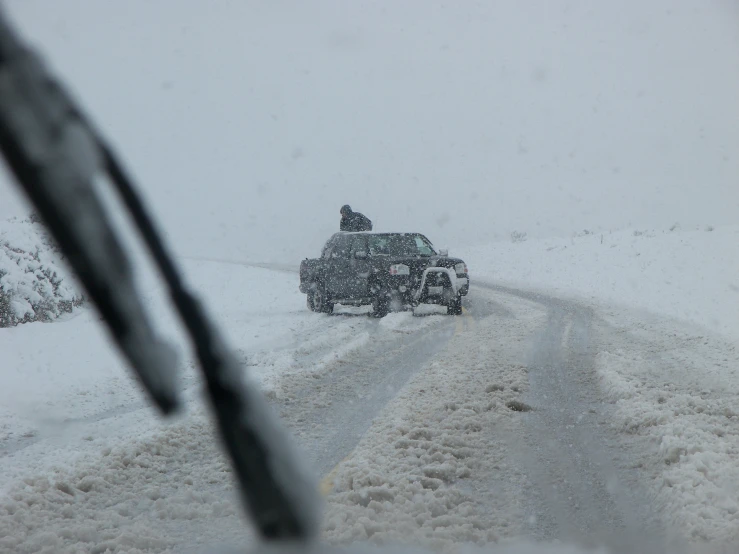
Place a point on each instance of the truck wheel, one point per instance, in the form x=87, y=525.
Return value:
x=321, y=302
x=310, y=302
x=455, y=308
x=381, y=304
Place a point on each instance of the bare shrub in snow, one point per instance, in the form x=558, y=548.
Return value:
x=709, y=228
x=34, y=284
x=518, y=236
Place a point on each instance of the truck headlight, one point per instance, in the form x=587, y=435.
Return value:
x=461, y=269
x=400, y=269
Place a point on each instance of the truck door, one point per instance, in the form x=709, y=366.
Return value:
x=338, y=270
x=361, y=267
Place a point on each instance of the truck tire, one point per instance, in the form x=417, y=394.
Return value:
x=455, y=308
x=381, y=304
x=321, y=301
x=309, y=301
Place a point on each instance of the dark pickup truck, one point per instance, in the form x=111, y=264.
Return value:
x=390, y=271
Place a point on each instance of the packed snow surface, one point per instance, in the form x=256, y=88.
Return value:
x=417, y=476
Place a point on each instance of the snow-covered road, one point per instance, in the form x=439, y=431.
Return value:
x=527, y=417
x=581, y=485
x=513, y=431
x=503, y=435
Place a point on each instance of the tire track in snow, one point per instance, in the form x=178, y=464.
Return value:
x=331, y=410
x=169, y=488
x=581, y=486
x=433, y=468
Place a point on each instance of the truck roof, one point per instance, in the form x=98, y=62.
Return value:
x=378, y=233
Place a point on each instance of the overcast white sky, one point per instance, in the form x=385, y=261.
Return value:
x=249, y=123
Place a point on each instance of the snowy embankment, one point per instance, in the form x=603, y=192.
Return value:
x=687, y=274
x=34, y=283
x=676, y=389
x=669, y=362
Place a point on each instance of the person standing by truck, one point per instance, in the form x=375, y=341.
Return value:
x=353, y=221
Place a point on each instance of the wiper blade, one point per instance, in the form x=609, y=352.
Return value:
x=55, y=155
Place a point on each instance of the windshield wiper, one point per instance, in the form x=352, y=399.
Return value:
x=56, y=155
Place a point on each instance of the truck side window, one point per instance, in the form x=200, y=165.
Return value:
x=424, y=248
x=379, y=246
x=326, y=252
x=341, y=248
x=359, y=244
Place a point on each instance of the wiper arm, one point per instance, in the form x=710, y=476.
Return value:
x=56, y=154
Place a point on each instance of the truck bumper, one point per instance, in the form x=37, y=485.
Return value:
x=439, y=285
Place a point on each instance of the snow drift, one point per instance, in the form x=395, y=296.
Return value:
x=676, y=389
x=34, y=284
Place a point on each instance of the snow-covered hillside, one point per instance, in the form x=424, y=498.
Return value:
x=34, y=282
x=691, y=274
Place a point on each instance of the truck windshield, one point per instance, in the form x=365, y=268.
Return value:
x=400, y=245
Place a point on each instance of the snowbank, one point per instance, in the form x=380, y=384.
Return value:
x=677, y=391
x=34, y=284
x=689, y=274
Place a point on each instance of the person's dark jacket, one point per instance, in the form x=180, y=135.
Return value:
x=355, y=221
